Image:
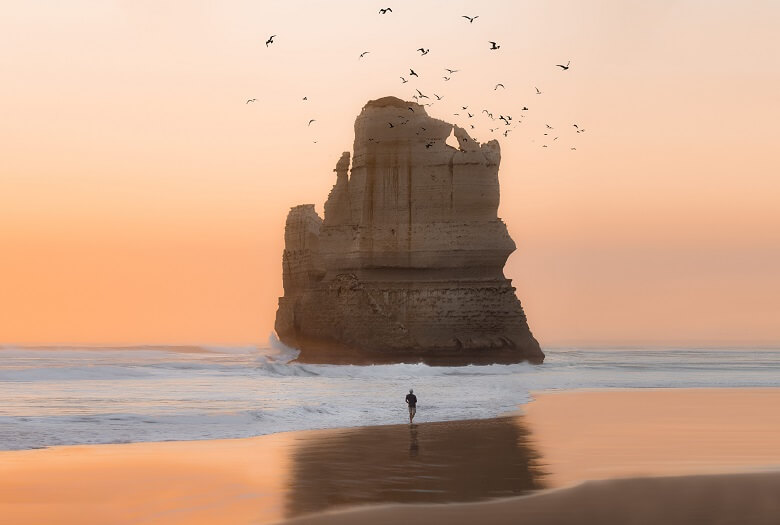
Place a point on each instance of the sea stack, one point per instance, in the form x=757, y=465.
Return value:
x=407, y=264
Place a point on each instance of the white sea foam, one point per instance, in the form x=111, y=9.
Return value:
x=114, y=395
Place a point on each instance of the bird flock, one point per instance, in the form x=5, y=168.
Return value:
x=503, y=124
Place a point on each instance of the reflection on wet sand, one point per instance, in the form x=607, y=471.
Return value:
x=426, y=463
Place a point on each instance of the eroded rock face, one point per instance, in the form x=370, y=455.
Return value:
x=407, y=264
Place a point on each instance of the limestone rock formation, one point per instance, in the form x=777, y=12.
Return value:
x=407, y=264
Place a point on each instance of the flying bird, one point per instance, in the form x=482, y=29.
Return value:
x=549, y=126
x=497, y=85
x=537, y=90
x=312, y=120
x=446, y=78
x=423, y=51
x=410, y=109
x=574, y=148
x=403, y=80
x=525, y=108
x=564, y=68
x=421, y=95
x=364, y=53
x=250, y=100
x=506, y=132
x=270, y=40
x=470, y=18
x=385, y=10
x=390, y=124
x=470, y=115
x=451, y=71
x=576, y=126
x=493, y=45
x=413, y=74
x=305, y=98
x=437, y=96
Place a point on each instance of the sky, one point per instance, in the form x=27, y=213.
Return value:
x=142, y=200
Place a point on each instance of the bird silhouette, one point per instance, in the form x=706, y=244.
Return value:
x=446, y=78
x=525, y=108
x=364, y=53
x=537, y=90
x=497, y=85
x=506, y=132
x=576, y=126
x=573, y=148
x=270, y=40
x=437, y=96
x=423, y=51
x=564, y=68
x=403, y=80
x=549, y=126
x=493, y=45
x=312, y=120
x=451, y=71
x=385, y=10
x=250, y=100
x=305, y=98
x=413, y=74
x=390, y=124
x=421, y=95
x=470, y=18
x=410, y=109
x=470, y=115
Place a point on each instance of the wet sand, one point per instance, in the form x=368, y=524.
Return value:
x=563, y=439
x=729, y=499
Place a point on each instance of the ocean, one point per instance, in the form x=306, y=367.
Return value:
x=86, y=395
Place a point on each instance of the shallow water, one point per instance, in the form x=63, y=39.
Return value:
x=68, y=395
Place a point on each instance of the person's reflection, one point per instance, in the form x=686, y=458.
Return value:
x=445, y=462
x=414, y=447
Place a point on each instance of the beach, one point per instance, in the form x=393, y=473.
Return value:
x=698, y=453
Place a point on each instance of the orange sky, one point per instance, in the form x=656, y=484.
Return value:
x=141, y=200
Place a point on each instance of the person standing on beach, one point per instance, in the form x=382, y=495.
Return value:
x=411, y=400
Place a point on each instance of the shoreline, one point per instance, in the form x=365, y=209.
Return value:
x=559, y=440
x=519, y=411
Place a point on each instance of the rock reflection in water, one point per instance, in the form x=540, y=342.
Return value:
x=455, y=461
